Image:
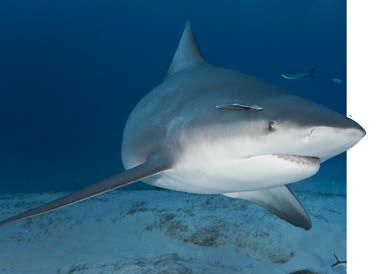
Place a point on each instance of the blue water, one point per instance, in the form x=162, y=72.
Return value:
x=72, y=71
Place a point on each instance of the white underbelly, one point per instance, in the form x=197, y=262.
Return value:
x=235, y=175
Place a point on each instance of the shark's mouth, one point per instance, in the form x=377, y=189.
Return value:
x=308, y=161
x=301, y=160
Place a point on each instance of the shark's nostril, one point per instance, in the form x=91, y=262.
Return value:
x=311, y=133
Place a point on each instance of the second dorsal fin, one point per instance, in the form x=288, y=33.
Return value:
x=187, y=54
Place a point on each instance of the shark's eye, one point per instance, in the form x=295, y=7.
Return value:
x=272, y=125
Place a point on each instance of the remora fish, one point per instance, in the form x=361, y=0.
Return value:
x=298, y=74
x=209, y=130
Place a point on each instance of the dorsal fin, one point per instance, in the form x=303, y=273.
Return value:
x=187, y=54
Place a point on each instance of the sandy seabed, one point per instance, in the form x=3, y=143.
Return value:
x=155, y=231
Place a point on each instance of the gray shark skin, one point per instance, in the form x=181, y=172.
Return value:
x=209, y=130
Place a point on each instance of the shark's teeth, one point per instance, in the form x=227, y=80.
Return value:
x=302, y=160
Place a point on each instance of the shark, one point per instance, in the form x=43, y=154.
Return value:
x=211, y=130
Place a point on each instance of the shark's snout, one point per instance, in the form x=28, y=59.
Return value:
x=354, y=133
x=357, y=130
x=330, y=140
x=348, y=129
x=310, y=129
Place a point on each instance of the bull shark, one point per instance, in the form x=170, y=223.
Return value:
x=210, y=130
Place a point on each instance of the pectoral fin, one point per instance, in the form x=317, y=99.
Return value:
x=280, y=201
x=152, y=166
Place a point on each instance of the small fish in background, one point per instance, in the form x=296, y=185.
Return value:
x=337, y=81
x=298, y=74
x=338, y=262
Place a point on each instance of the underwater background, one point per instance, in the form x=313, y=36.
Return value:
x=70, y=74
x=72, y=71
